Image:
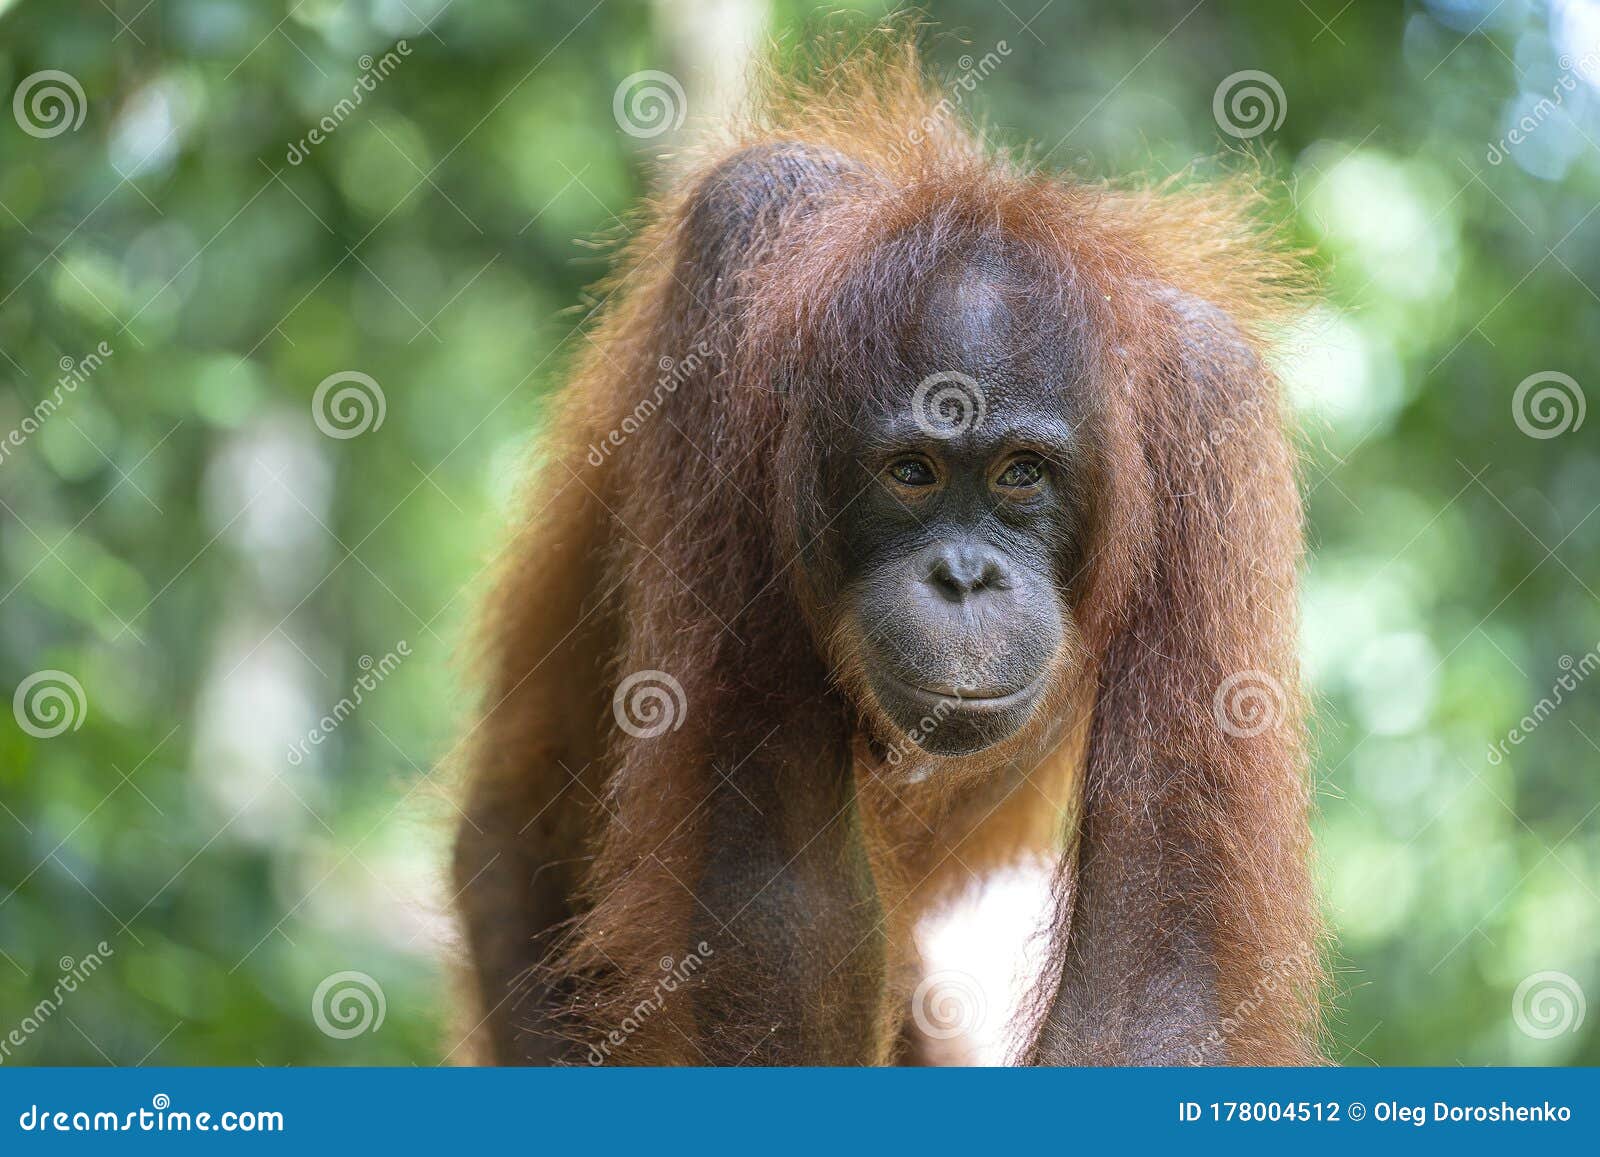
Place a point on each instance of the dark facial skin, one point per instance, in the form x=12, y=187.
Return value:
x=957, y=554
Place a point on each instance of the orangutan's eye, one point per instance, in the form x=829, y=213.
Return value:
x=1021, y=474
x=913, y=472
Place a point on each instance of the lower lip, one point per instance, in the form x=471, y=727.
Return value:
x=996, y=703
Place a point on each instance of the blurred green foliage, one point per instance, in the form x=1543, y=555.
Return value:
x=215, y=573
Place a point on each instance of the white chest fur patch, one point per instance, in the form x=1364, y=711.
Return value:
x=982, y=955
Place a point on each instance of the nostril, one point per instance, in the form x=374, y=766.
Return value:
x=942, y=577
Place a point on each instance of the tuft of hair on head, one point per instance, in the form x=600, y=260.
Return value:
x=866, y=92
